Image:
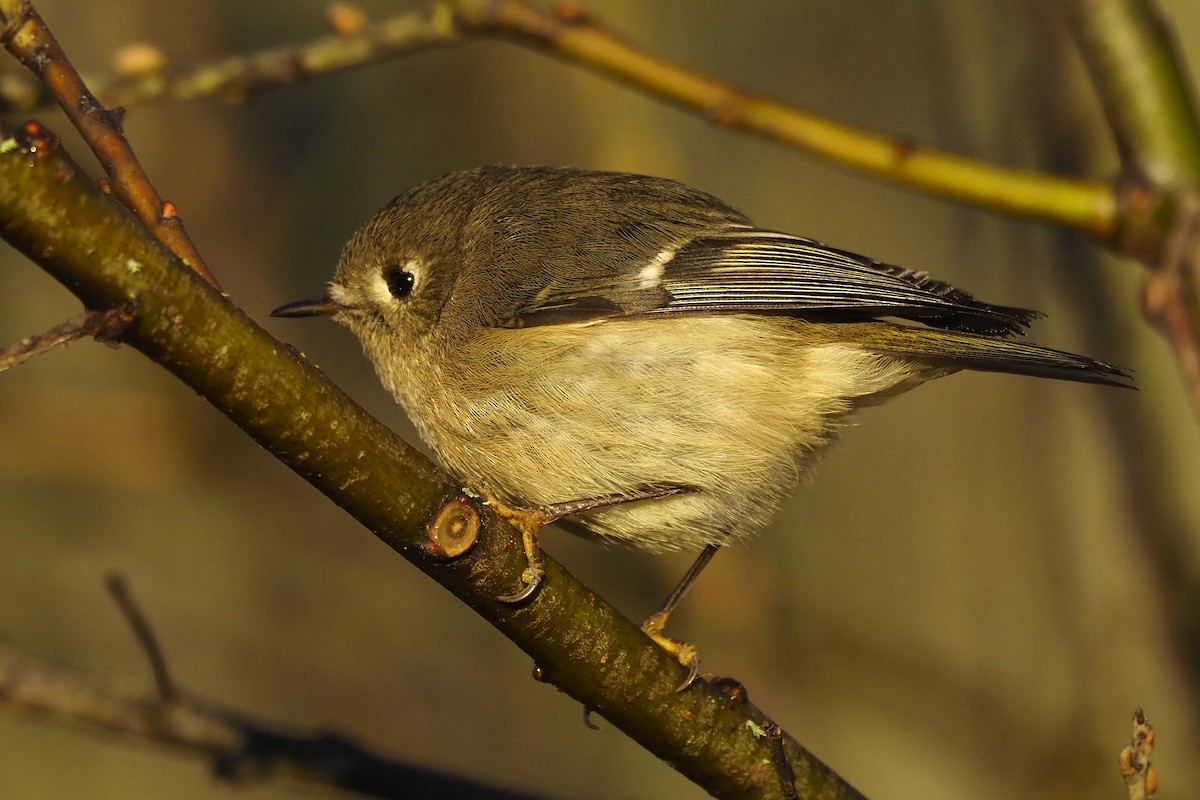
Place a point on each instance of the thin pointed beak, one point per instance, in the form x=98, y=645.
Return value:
x=322, y=306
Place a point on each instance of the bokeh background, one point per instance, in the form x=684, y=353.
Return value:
x=983, y=581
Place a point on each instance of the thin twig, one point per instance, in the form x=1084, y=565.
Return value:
x=26, y=36
x=119, y=589
x=105, y=325
x=241, y=750
x=779, y=759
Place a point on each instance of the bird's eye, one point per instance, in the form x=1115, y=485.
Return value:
x=399, y=282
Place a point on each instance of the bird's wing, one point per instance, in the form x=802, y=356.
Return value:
x=748, y=270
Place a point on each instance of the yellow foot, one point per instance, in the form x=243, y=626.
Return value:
x=530, y=520
x=684, y=652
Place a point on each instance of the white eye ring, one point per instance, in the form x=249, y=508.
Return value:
x=399, y=282
x=396, y=282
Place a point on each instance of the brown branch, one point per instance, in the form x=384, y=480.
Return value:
x=119, y=590
x=583, y=645
x=783, y=770
x=240, y=749
x=26, y=36
x=108, y=325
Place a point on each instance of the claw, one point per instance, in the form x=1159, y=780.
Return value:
x=531, y=579
x=684, y=653
x=587, y=719
x=693, y=674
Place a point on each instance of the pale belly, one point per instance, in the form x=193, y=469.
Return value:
x=727, y=406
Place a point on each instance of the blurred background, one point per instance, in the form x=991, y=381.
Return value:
x=982, y=582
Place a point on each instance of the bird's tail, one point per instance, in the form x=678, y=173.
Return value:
x=957, y=350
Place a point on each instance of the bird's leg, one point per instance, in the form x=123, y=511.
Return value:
x=654, y=624
x=530, y=520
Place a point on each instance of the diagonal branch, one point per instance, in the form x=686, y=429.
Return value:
x=1089, y=206
x=581, y=643
x=119, y=589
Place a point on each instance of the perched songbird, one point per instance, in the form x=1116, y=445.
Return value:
x=637, y=354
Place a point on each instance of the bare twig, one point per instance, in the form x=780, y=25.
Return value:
x=105, y=325
x=1140, y=778
x=167, y=692
x=26, y=36
x=241, y=750
x=787, y=778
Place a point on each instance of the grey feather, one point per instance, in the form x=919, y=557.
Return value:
x=741, y=269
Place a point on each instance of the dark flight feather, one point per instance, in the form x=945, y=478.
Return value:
x=747, y=270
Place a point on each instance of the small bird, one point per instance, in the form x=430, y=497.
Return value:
x=637, y=356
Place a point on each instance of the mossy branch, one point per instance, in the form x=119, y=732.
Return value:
x=50, y=211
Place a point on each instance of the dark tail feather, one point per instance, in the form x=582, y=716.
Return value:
x=971, y=351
